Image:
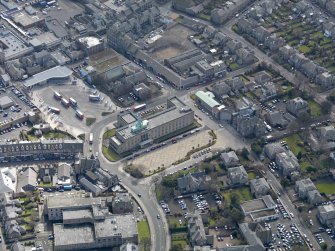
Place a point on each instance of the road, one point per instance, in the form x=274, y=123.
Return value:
x=158, y=227
x=147, y=200
x=290, y=208
x=159, y=231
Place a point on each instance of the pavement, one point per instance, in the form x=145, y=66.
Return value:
x=288, y=205
x=143, y=190
x=147, y=199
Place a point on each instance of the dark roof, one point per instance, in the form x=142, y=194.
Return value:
x=92, y=176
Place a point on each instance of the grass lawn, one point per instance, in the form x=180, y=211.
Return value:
x=244, y=194
x=315, y=108
x=182, y=243
x=233, y=66
x=25, y=200
x=106, y=113
x=251, y=175
x=204, y=16
x=42, y=184
x=212, y=222
x=244, y=79
x=30, y=137
x=250, y=95
x=158, y=192
x=304, y=163
x=327, y=163
x=295, y=144
x=331, y=69
x=110, y=133
x=26, y=213
x=317, y=34
x=174, y=222
x=327, y=188
x=90, y=121
x=27, y=219
x=143, y=230
x=110, y=154
x=81, y=136
x=55, y=135
x=304, y=49
x=27, y=227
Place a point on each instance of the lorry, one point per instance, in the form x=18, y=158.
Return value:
x=65, y=102
x=54, y=110
x=73, y=102
x=57, y=95
x=91, y=139
x=94, y=98
x=79, y=114
x=139, y=107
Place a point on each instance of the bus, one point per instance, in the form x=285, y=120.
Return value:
x=139, y=107
x=94, y=98
x=79, y=114
x=91, y=139
x=57, y=95
x=65, y=102
x=73, y=102
x=54, y=110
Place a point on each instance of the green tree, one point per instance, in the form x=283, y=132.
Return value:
x=234, y=200
x=331, y=98
x=176, y=247
x=136, y=173
x=169, y=181
x=324, y=246
x=326, y=107
x=256, y=148
x=311, y=169
x=299, y=156
x=285, y=182
x=236, y=215
x=245, y=153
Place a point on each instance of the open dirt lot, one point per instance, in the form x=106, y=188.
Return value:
x=165, y=156
x=167, y=53
x=107, y=59
x=174, y=41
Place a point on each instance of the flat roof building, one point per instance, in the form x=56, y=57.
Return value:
x=26, y=21
x=55, y=74
x=5, y=102
x=91, y=45
x=111, y=231
x=54, y=26
x=141, y=133
x=55, y=206
x=87, y=224
x=261, y=209
x=12, y=45
x=46, y=38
